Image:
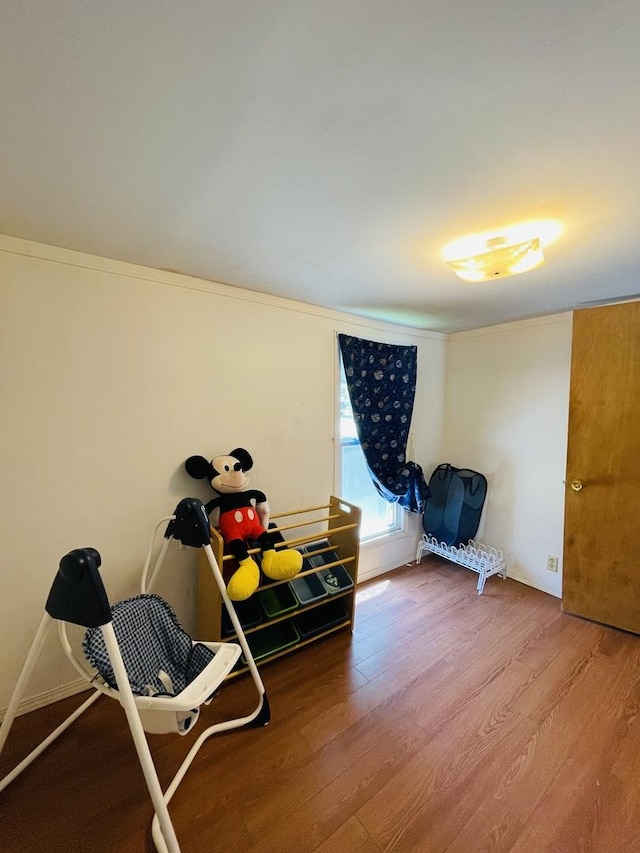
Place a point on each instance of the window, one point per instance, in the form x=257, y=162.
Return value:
x=378, y=516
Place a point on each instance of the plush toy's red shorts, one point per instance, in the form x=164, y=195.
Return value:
x=240, y=523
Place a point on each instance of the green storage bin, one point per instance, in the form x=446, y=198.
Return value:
x=277, y=600
x=272, y=639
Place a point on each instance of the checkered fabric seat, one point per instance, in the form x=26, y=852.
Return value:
x=159, y=657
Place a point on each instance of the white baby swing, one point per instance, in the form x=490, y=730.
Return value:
x=141, y=657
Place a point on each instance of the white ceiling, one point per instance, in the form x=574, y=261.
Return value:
x=326, y=150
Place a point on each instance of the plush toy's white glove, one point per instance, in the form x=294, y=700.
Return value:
x=264, y=511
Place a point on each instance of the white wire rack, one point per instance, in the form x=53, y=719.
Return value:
x=484, y=560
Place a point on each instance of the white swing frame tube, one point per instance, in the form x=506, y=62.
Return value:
x=163, y=832
x=10, y=714
x=227, y=725
x=170, y=840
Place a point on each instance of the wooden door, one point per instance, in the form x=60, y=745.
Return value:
x=601, y=574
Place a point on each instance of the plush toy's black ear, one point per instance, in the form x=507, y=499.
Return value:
x=244, y=458
x=199, y=468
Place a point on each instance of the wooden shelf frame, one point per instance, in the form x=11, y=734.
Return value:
x=340, y=526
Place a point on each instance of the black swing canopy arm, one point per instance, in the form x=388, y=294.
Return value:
x=77, y=594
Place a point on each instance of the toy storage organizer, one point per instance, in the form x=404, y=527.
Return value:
x=285, y=615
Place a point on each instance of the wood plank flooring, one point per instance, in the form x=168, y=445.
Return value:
x=448, y=723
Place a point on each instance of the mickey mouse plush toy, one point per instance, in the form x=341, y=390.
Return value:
x=244, y=515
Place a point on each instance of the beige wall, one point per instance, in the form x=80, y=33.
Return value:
x=506, y=414
x=112, y=375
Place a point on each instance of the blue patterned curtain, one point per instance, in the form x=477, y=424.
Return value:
x=381, y=379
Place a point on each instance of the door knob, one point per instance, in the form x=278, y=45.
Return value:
x=576, y=485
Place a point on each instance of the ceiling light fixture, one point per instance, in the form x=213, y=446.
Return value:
x=498, y=254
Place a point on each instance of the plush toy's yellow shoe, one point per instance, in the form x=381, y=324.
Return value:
x=281, y=565
x=244, y=581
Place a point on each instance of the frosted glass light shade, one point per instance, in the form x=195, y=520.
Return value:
x=500, y=260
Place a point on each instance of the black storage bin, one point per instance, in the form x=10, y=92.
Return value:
x=316, y=561
x=320, y=619
x=249, y=614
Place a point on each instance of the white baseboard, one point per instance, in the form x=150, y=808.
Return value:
x=49, y=697
x=537, y=585
x=397, y=563
x=381, y=570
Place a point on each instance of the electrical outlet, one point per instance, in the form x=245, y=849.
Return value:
x=552, y=563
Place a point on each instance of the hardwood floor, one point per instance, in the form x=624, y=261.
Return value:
x=447, y=722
